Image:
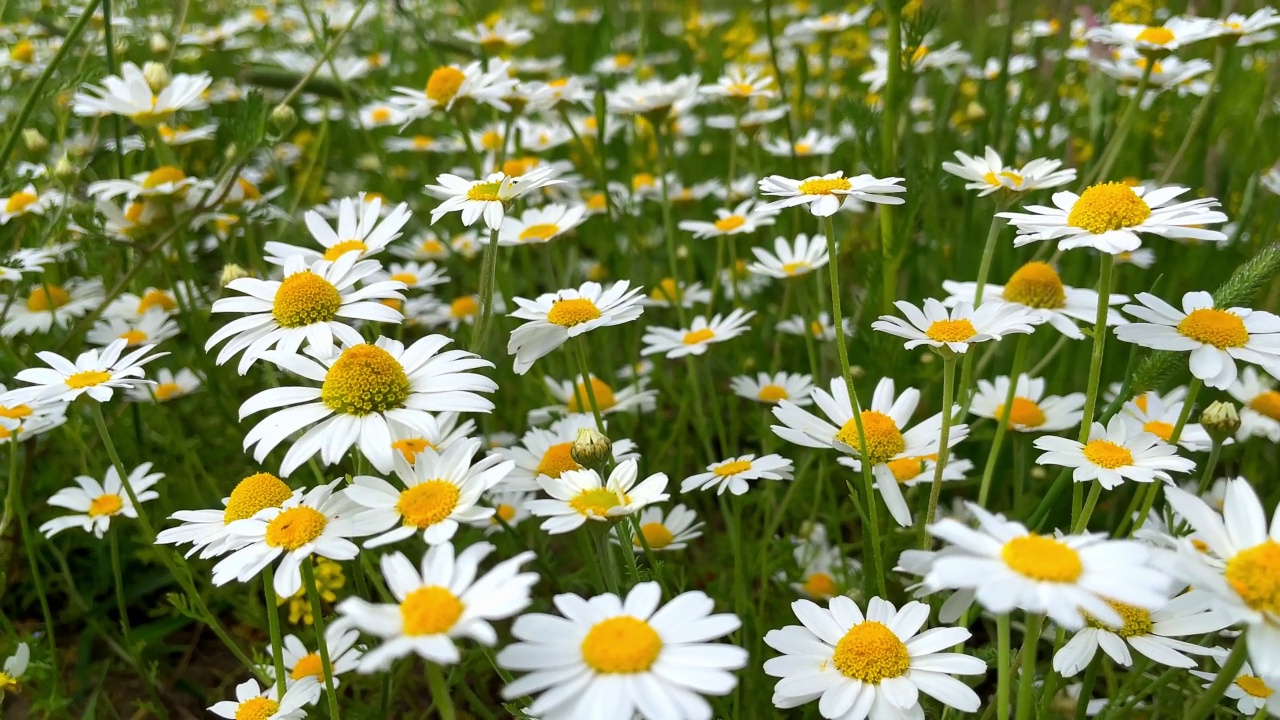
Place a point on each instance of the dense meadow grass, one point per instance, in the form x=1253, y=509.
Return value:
x=458, y=359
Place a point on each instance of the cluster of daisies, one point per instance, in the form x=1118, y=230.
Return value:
x=384, y=349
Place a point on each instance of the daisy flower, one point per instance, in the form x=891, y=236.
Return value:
x=361, y=231
x=163, y=183
x=451, y=84
x=1239, y=565
x=22, y=420
x=821, y=328
x=495, y=38
x=438, y=602
x=436, y=431
x=97, y=372
x=1155, y=416
x=15, y=666
x=1113, y=454
x=1153, y=634
x=540, y=225
x=989, y=174
x=811, y=144
x=616, y=657
x=743, y=219
x=1245, y=30
x=317, y=522
x=362, y=389
x=556, y=317
x=95, y=504
x=130, y=95
x=254, y=702
x=668, y=293
x=152, y=328
x=424, y=144
x=29, y=260
x=695, y=339
x=1031, y=410
x=825, y=571
x=572, y=398
x=912, y=471
x=1215, y=337
x=27, y=201
x=1251, y=692
x=824, y=194
x=1260, y=411
x=1176, y=33
x=1037, y=287
x=787, y=260
x=488, y=197
x=1009, y=567
x=441, y=490
x=414, y=275
x=958, y=329
x=509, y=510
x=653, y=98
x=301, y=664
x=873, y=665
x=49, y=305
x=772, y=389
x=169, y=386
x=376, y=115
x=741, y=84
x=733, y=474
x=672, y=531
x=1109, y=217
x=577, y=496
x=208, y=530
x=546, y=452
x=313, y=303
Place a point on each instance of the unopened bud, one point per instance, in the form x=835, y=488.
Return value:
x=857, y=372
x=157, y=76
x=1220, y=420
x=368, y=162
x=159, y=44
x=232, y=272
x=592, y=450
x=1039, y=473
x=64, y=170
x=283, y=118
x=34, y=141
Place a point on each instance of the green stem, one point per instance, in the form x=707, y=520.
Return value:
x=1154, y=489
x=273, y=625
x=628, y=552
x=317, y=616
x=1002, y=422
x=439, y=692
x=122, y=607
x=888, y=147
x=580, y=352
x=1030, y=640
x=608, y=563
x=1108, y=158
x=668, y=227
x=984, y=266
x=1095, y=368
x=1002, y=666
x=944, y=451
x=1198, y=116
x=1227, y=675
x=488, y=279
x=1086, y=688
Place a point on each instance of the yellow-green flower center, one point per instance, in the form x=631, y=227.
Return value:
x=304, y=299
x=365, y=379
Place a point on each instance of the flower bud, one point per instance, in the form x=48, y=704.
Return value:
x=159, y=44
x=283, y=118
x=1220, y=420
x=34, y=141
x=232, y=272
x=65, y=170
x=157, y=76
x=592, y=450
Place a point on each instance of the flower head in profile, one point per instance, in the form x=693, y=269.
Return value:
x=1260, y=411
x=577, y=496
x=96, y=373
x=1113, y=454
x=694, y=340
x=366, y=226
x=450, y=85
x=733, y=474
x=1031, y=410
x=1251, y=693
x=989, y=174
x=665, y=532
x=541, y=225
x=94, y=504
x=743, y=219
x=301, y=663
x=773, y=389
x=824, y=194
x=207, y=531
x=15, y=666
x=252, y=701
x=790, y=260
x=488, y=197
x=958, y=329
x=1037, y=287
x=49, y=305
x=1155, y=41
x=555, y=318
x=131, y=96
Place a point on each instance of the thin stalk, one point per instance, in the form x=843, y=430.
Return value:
x=1108, y=158
x=1230, y=668
x=1198, y=116
x=668, y=227
x=488, y=279
x=317, y=617
x=108, y=42
x=984, y=270
x=273, y=625
x=1154, y=489
x=1002, y=422
x=888, y=147
x=439, y=692
x=1030, y=640
x=608, y=564
x=1002, y=666
x=1086, y=688
x=122, y=607
x=1095, y=372
x=948, y=399
x=580, y=352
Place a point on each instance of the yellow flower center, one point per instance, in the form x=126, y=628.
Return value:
x=87, y=378
x=1156, y=35
x=871, y=652
x=1042, y=558
x=485, y=192
x=803, y=148
x=44, y=299
x=491, y=140
x=1254, y=573
x=1267, y=402
x=773, y=393
x=1025, y=413
x=1254, y=686
x=884, y=439
x=909, y=468
x=410, y=447
x=163, y=175
x=735, y=467
x=308, y=666
x=430, y=610
x=1108, y=206
x=995, y=179
x=133, y=213
x=336, y=251
x=1107, y=454
x=572, y=311
x=540, y=233
x=20, y=201
x=820, y=585
x=819, y=186
x=254, y=493
x=295, y=527
x=15, y=412
x=23, y=51
x=623, y=60
x=655, y=534
x=156, y=299
x=730, y=223
x=698, y=336
x=380, y=115
x=621, y=645
x=1036, y=285
x=504, y=512
x=597, y=202
x=667, y=290
x=1160, y=429
x=1137, y=621
x=1219, y=328
x=949, y=331
x=464, y=307
x=259, y=708
x=304, y=299
x=422, y=142
x=598, y=502
x=108, y=504
x=443, y=85
x=365, y=379
x=556, y=460
x=604, y=396
x=920, y=53
x=428, y=503
x=797, y=268
x=133, y=337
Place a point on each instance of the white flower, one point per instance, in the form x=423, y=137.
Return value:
x=441, y=490
x=820, y=329
x=1260, y=414
x=1113, y=454
x=812, y=144
x=436, y=431
x=361, y=231
x=807, y=29
x=28, y=201
x=49, y=305
x=302, y=664
x=95, y=372
x=1010, y=568
x=572, y=398
x=450, y=84
x=488, y=197
x=673, y=531
x=152, y=328
x=208, y=530
x=1037, y=287
x=912, y=471
x=733, y=474
x=741, y=220
x=1174, y=34
x=958, y=329
x=1031, y=411
x=875, y=665
x=1251, y=693
x=438, y=602
x=581, y=495
x=540, y=225
x=168, y=386
x=1109, y=216
x=509, y=510
x=824, y=194
x=165, y=182
x=22, y=420
x=1252, y=29
x=1153, y=414
x=130, y=95
x=789, y=261
x=619, y=657
x=741, y=83
x=94, y=503
x=254, y=702
x=772, y=389
x=695, y=339
x=554, y=318
x=1216, y=337
x=655, y=96
x=989, y=173
x=825, y=571
x=669, y=293
x=546, y=452
x=362, y=389
x=15, y=666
